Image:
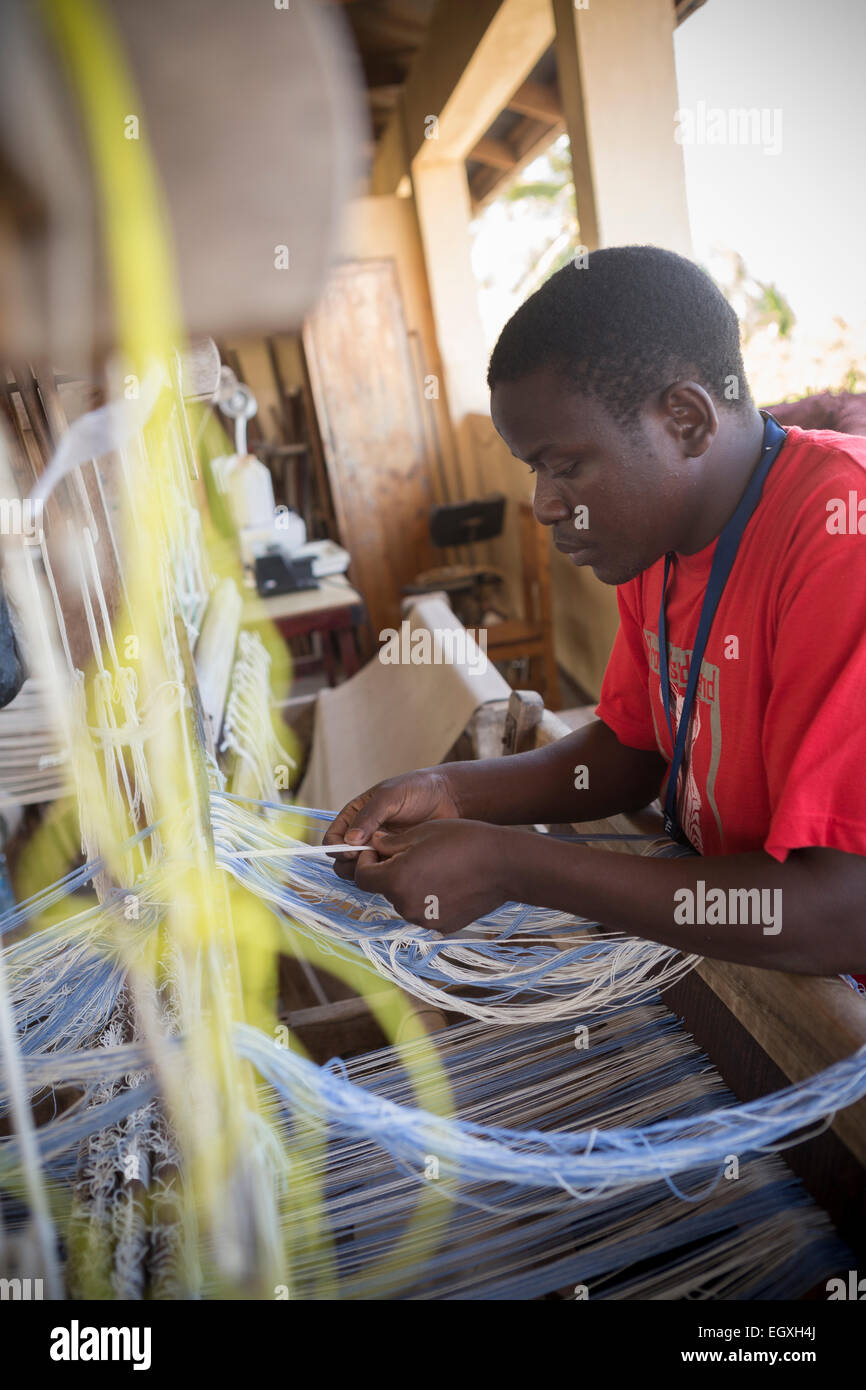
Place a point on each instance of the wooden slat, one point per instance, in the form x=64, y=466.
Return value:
x=214, y=656
x=347, y=1027
x=485, y=730
x=525, y=710
x=528, y=140
x=803, y=1022
x=495, y=153
x=369, y=413
x=323, y=502
x=536, y=100
x=825, y=1165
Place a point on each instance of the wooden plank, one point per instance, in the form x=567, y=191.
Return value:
x=348, y=1027
x=550, y=729
x=803, y=1022
x=214, y=656
x=525, y=709
x=529, y=140
x=474, y=58
x=323, y=511
x=356, y=1005
x=537, y=100
x=495, y=153
x=485, y=730
x=366, y=396
x=572, y=88
x=826, y=1167
x=27, y=387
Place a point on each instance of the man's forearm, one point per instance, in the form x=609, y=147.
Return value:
x=805, y=915
x=584, y=777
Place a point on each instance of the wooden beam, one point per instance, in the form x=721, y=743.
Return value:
x=483, y=187
x=803, y=1022
x=385, y=69
x=525, y=710
x=536, y=100
x=618, y=83
x=684, y=8
x=495, y=153
x=571, y=82
x=531, y=136
x=388, y=92
x=530, y=140
x=472, y=60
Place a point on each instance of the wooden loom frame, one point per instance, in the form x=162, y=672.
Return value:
x=762, y=1029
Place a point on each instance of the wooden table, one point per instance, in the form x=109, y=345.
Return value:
x=335, y=610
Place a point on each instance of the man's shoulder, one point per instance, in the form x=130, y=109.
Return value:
x=814, y=522
x=816, y=472
x=813, y=458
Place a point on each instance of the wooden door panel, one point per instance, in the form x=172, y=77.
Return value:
x=367, y=400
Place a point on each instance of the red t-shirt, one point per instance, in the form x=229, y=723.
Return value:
x=776, y=755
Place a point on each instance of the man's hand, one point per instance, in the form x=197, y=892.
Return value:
x=444, y=874
x=400, y=801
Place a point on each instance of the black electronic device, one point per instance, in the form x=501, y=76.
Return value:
x=464, y=523
x=277, y=574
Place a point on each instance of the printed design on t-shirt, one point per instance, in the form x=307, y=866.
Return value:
x=703, y=750
x=688, y=795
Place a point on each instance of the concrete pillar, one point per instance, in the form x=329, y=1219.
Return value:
x=619, y=94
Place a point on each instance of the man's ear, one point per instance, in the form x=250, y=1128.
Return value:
x=690, y=417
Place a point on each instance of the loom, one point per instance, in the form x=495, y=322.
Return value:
x=166, y=1135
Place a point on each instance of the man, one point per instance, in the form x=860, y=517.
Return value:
x=621, y=386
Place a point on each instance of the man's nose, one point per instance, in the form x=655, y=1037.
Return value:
x=548, y=505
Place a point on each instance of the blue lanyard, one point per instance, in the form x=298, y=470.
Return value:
x=723, y=560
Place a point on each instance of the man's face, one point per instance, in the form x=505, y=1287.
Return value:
x=614, y=496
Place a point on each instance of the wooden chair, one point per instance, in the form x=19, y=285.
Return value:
x=531, y=637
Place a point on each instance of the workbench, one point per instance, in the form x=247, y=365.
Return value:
x=335, y=610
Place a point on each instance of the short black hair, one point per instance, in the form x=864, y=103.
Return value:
x=627, y=322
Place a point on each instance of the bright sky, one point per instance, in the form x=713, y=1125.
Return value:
x=798, y=218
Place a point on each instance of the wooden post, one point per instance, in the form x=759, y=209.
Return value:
x=619, y=97
x=444, y=214
x=525, y=708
